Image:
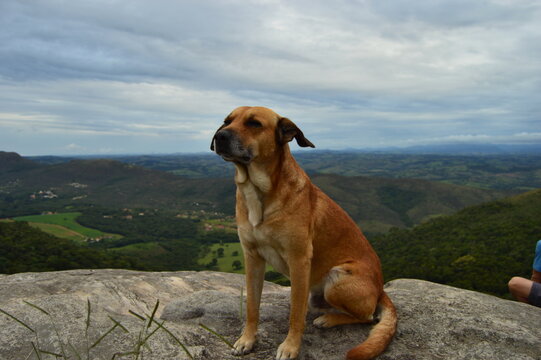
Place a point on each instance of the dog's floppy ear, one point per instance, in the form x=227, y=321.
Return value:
x=287, y=130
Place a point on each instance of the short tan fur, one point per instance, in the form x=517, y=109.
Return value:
x=285, y=220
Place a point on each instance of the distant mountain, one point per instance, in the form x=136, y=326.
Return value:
x=377, y=204
x=468, y=149
x=503, y=172
x=518, y=172
x=479, y=248
x=109, y=183
x=10, y=161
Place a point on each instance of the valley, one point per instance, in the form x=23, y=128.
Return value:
x=148, y=218
x=376, y=203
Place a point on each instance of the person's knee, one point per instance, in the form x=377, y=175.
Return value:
x=515, y=282
x=520, y=288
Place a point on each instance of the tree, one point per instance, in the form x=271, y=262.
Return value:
x=237, y=265
x=213, y=263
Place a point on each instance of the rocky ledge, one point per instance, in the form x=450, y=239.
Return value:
x=435, y=321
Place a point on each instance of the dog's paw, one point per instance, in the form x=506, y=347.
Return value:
x=322, y=321
x=288, y=350
x=243, y=345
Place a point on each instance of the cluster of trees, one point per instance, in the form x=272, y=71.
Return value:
x=26, y=249
x=479, y=248
x=158, y=239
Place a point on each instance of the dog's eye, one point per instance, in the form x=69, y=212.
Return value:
x=227, y=121
x=253, y=123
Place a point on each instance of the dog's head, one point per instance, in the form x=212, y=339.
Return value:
x=255, y=133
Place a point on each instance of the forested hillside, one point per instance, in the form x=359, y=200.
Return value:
x=479, y=248
x=167, y=222
x=26, y=249
x=375, y=203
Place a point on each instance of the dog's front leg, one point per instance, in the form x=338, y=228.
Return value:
x=255, y=274
x=299, y=270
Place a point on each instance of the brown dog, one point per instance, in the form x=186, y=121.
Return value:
x=287, y=221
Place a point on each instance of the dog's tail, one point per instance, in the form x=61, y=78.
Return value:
x=381, y=334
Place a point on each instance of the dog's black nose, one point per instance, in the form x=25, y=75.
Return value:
x=222, y=140
x=223, y=135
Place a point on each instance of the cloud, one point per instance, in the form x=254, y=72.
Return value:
x=352, y=73
x=514, y=139
x=74, y=148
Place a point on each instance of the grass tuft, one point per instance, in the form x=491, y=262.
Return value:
x=68, y=350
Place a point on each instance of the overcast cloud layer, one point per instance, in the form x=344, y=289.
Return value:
x=89, y=77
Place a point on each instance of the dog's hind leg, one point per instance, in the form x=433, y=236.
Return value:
x=318, y=302
x=347, y=290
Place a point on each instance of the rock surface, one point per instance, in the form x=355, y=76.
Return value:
x=435, y=321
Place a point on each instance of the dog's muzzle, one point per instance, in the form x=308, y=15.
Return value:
x=227, y=144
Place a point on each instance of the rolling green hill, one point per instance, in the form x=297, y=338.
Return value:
x=66, y=220
x=519, y=172
x=65, y=225
x=25, y=249
x=479, y=248
x=377, y=204
x=107, y=183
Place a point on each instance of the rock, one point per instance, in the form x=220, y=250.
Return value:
x=435, y=321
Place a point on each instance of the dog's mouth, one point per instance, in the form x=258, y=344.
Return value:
x=233, y=151
x=243, y=159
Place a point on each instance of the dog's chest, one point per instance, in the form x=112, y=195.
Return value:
x=260, y=231
x=269, y=246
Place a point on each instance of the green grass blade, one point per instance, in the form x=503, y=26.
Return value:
x=36, y=351
x=75, y=351
x=153, y=313
x=88, y=311
x=216, y=334
x=53, y=324
x=50, y=353
x=17, y=320
x=119, y=324
x=152, y=333
x=160, y=326
x=104, y=335
x=36, y=307
x=136, y=315
x=177, y=340
x=59, y=340
x=124, y=354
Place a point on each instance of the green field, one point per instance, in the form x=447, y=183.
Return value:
x=58, y=231
x=225, y=263
x=63, y=225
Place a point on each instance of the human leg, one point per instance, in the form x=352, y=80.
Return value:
x=520, y=288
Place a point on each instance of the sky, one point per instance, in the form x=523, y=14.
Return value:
x=152, y=77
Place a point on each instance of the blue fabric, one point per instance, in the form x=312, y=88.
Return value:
x=535, y=295
x=537, y=258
